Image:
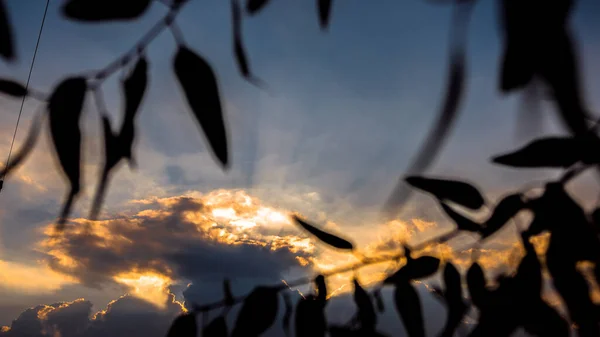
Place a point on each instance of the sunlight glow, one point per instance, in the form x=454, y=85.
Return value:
x=149, y=286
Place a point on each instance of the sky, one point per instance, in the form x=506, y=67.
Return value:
x=344, y=113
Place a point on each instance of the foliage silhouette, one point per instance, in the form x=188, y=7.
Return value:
x=537, y=57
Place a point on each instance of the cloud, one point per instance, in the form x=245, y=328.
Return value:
x=25, y=279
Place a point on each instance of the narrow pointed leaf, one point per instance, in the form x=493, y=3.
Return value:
x=456, y=307
x=183, y=326
x=287, y=315
x=557, y=152
x=254, y=6
x=463, y=223
x=327, y=238
x=65, y=105
x=228, y=296
x=104, y=10
x=258, y=313
x=419, y=268
x=7, y=49
x=366, y=311
x=240, y=53
x=321, y=289
x=202, y=93
x=216, y=328
x=456, y=191
x=452, y=283
x=133, y=88
x=112, y=156
x=17, y=158
x=507, y=208
x=476, y=284
x=12, y=88
x=324, y=12
x=409, y=308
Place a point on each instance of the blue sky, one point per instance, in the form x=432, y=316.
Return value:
x=344, y=114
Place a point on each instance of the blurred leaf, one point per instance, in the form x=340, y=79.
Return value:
x=228, y=296
x=12, y=88
x=287, y=316
x=201, y=90
x=409, y=309
x=112, y=155
x=321, y=289
x=517, y=67
x=183, y=326
x=133, y=88
x=65, y=105
x=378, y=300
x=463, y=223
x=559, y=152
x=476, y=284
x=104, y=10
x=216, y=328
x=28, y=145
x=457, y=308
x=507, y=208
x=254, y=6
x=7, y=49
x=324, y=12
x=329, y=239
x=366, y=312
x=258, y=312
x=418, y=268
x=238, y=45
x=310, y=315
x=456, y=191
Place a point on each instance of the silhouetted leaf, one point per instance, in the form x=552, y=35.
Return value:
x=378, y=301
x=216, y=328
x=7, y=49
x=324, y=12
x=112, y=155
x=183, y=326
x=507, y=208
x=238, y=46
x=258, y=312
x=415, y=269
x=12, y=88
x=253, y=6
x=201, y=90
x=545, y=152
x=287, y=316
x=228, y=296
x=329, y=239
x=456, y=191
x=321, y=289
x=133, y=88
x=104, y=10
x=65, y=105
x=366, y=312
x=463, y=223
x=32, y=136
x=310, y=315
x=457, y=308
x=409, y=309
x=476, y=284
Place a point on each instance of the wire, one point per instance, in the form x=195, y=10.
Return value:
x=37, y=44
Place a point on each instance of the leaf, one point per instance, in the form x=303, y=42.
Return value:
x=327, y=238
x=112, y=156
x=65, y=105
x=12, y=88
x=199, y=84
x=507, y=208
x=28, y=145
x=516, y=70
x=446, y=116
x=133, y=88
x=418, y=268
x=558, y=152
x=409, y=308
x=378, y=300
x=455, y=304
x=452, y=283
x=456, y=191
x=463, y=223
x=310, y=315
x=7, y=49
x=287, y=316
x=254, y=6
x=216, y=328
x=321, y=289
x=324, y=12
x=366, y=312
x=258, y=312
x=104, y=10
x=228, y=296
x=476, y=284
x=183, y=326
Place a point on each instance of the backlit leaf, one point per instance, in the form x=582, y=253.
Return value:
x=258, y=312
x=456, y=191
x=104, y=10
x=558, y=152
x=202, y=93
x=12, y=88
x=64, y=106
x=183, y=326
x=327, y=238
x=7, y=49
x=408, y=305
